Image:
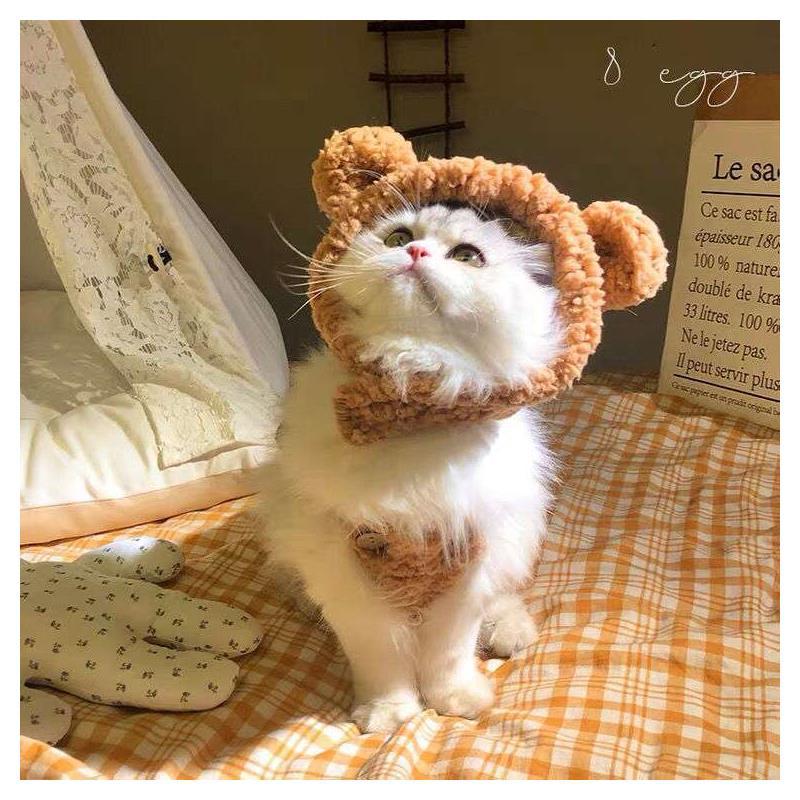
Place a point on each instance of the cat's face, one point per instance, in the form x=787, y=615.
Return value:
x=441, y=287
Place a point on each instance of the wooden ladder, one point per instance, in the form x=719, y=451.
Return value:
x=446, y=79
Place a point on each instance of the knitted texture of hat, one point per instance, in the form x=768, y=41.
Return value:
x=608, y=256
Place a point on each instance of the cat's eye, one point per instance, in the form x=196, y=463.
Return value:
x=399, y=238
x=467, y=254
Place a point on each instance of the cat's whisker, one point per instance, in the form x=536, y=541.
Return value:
x=307, y=286
x=297, y=311
x=301, y=270
x=310, y=259
x=289, y=287
x=405, y=202
x=341, y=269
x=480, y=210
x=325, y=275
x=306, y=280
x=476, y=320
x=290, y=290
x=311, y=297
x=503, y=222
x=314, y=286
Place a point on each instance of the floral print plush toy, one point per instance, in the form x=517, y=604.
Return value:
x=102, y=629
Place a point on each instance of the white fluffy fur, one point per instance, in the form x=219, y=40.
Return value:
x=474, y=325
x=478, y=324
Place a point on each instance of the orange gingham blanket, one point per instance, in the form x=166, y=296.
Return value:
x=657, y=604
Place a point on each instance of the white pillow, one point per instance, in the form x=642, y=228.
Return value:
x=89, y=455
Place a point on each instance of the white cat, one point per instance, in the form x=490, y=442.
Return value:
x=437, y=288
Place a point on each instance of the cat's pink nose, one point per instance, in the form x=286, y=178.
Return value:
x=417, y=251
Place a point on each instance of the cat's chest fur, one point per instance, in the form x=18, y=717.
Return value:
x=444, y=479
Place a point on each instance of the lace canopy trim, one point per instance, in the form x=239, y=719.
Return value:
x=199, y=394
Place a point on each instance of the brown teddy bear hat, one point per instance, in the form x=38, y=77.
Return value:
x=608, y=256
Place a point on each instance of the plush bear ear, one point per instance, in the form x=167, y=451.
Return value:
x=632, y=254
x=353, y=159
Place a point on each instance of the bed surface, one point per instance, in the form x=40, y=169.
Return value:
x=657, y=600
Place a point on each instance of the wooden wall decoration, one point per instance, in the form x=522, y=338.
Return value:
x=389, y=30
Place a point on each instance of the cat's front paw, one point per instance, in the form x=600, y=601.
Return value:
x=461, y=697
x=507, y=627
x=509, y=634
x=385, y=714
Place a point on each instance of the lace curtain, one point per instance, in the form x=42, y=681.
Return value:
x=144, y=301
